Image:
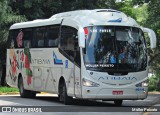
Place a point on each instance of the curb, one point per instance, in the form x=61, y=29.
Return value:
x=155, y=92
x=9, y=93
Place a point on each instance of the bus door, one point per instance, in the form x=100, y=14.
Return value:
x=69, y=44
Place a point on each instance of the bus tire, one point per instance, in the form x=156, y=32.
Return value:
x=63, y=94
x=25, y=93
x=118, y=102
x=32, y=94
x=22, y=91
x=67, y=100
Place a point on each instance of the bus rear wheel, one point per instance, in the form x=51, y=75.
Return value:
x=24, y=93
x=118, y=102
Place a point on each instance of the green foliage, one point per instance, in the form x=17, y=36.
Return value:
x=153, y=21
x=34, y=9
x=111, y=4
x=8, y=89
x=7, y=18
x=128, y=8
x=153, y=84
x=154, y=14
x=139, y=2
x=142, y=14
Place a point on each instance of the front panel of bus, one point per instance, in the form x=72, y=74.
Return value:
x=115, y=63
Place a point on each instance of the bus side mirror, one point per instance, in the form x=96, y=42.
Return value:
x=81, y=37
x=152, y=37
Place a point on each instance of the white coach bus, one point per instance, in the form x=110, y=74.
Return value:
x=88, y=54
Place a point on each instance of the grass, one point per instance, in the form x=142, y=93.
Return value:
x=8, y=90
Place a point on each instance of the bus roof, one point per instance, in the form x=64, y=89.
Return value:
x=84, y=18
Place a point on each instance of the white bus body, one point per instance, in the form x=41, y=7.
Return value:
x=78, y=54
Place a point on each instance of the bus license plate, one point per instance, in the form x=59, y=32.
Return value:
x=117, y=92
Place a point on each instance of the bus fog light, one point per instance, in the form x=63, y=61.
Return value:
x=89, y=83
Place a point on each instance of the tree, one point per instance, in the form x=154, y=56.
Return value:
x=153, y=21
x=127, y=6
x=7, y=17
x=34, y=9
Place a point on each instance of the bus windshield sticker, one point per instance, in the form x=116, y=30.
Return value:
x=100, y=65
x=56, y=60
x=117, y=20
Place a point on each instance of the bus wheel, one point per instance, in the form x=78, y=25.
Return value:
x=63, y=95
x=118, y=102
x=67, y=100
x=24, y=93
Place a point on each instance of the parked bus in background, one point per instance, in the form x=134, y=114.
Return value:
x=88, y=54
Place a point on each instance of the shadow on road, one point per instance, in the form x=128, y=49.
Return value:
x=78, y=102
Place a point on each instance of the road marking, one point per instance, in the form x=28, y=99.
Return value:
x=138, y=100
x=6, y=103
x=144, y=100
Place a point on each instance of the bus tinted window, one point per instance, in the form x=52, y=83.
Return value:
x=52, y=35
x=39, y=37
x=67, y=40
x=27, y=38
x=9, y=41
x=69, y=43
x=17, y=39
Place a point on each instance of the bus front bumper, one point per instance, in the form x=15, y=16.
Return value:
x=117, y=93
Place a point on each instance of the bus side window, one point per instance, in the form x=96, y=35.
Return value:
x=9, y=41
x=27, y=44
x=14, y=43
x=38, y=40
x=52, y=36
x=27, y=37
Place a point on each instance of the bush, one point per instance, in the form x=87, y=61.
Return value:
x=8, y=89
x=153, y=84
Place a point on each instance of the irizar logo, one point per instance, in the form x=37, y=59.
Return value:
x=123, y=78
x=118, y=78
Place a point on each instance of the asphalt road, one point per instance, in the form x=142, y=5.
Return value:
x=80, y=107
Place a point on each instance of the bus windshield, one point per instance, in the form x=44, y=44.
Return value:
x=115, y=48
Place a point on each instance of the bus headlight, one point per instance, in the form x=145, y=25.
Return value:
x=143, y=84
x=89, y=83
